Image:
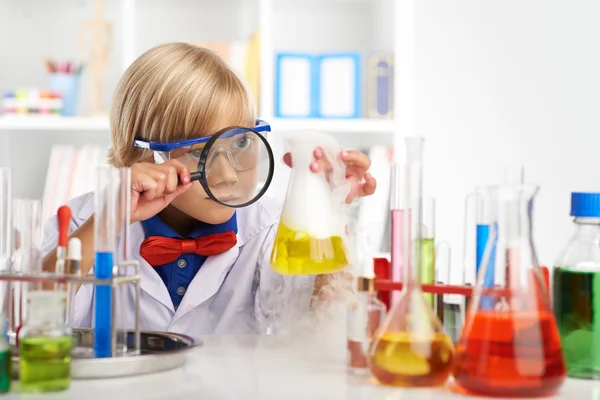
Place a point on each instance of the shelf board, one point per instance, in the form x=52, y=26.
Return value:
x=53, y=123
x=361, y=125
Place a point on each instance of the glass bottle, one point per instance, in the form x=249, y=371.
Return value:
x=411, y=349
x=576, y=289
x=45, y=344
x=365, y=315
x=510, y=345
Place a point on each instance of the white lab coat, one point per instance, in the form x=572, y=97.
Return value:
x=233, y=292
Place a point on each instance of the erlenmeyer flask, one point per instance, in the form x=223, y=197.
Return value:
x=513, y=347
x=311, y=235
x=410, y=349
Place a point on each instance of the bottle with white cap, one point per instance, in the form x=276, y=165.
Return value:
x=45, y=344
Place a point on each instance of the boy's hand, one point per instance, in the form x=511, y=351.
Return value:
x=357, y=165
x=154, y=186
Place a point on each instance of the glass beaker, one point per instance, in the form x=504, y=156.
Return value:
x=311, y=234
x=511, y=348
x=410, y=349
x=45, y=344
x=26, y=259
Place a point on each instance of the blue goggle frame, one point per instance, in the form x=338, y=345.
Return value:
x=260, y=126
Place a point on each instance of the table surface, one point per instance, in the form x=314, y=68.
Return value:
x=259, y=367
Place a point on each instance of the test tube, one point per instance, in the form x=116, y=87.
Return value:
x=26, y=258
x=428, y=267
x=119, y=335
x=412, y=231
x=107, y=225
x=472, y=217
x=5, y=233
x=397, y=206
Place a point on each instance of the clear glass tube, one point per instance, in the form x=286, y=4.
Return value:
x=26, y=258
x=427, y=239
x=111, y=221
x=397, y=206
x=5, y=235
x=123, y=254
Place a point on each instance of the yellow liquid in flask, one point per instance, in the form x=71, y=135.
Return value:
x=297, y=253
x=402, y=359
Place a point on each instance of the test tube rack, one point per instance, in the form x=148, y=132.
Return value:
x=151, y=351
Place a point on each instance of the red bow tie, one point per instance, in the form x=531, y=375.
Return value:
x=159, y=250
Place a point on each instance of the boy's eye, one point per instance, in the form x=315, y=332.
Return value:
x=242, y=142
x=195, y=153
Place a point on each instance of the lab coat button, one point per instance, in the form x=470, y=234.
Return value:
x=181, y=290
x=181, y=263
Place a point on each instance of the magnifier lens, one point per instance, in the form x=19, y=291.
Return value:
x=236, y=162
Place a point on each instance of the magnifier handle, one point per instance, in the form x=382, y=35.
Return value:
x=194, y=176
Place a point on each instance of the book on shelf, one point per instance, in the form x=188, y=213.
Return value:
x=71, y=173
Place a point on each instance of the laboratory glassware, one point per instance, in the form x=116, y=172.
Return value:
x=45, y=344
x=410, y=349
x=311, y=235
x=576, y=289
x=26, y=258
x=5, y=358
x=428, y=246
x=397, y=206
x=365, y=310
x=110, y=222
x=6, y=233
x=512, y=347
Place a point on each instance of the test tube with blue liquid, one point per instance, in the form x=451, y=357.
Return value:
x=108, y=223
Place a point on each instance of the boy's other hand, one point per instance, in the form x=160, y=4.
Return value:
x=154, y=186
x=357, y=164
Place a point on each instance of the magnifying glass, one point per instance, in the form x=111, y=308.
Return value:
x=229, y=165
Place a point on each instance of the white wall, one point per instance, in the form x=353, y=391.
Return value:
x=512, y=81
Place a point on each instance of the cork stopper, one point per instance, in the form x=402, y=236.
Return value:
x=365, y=284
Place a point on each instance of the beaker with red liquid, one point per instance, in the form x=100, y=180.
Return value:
x=510, y=345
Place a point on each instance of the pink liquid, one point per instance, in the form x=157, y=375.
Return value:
x=397, y=250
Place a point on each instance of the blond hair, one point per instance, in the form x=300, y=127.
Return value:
x=174, y=92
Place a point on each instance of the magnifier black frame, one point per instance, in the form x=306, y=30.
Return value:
x=200, y=174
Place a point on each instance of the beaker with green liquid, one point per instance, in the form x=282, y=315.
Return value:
x=45, y=345
x=576, y=289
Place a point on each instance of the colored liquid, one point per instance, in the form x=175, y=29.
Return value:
x=577, y=310
x=428, y=266
x=103, y=305
x=397, y=250
x=45, y=364
x=400, y=359
x=297, y=253
x=5, y=370
x=509, y=354
x=483, y=235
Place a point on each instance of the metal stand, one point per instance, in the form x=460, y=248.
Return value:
x=146, y=351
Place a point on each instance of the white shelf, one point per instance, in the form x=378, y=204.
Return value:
x=53, y=123
x=362, y=125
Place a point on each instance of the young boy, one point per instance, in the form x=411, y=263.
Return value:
x=171, y=93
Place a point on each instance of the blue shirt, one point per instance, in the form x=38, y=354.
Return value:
x=178, y=274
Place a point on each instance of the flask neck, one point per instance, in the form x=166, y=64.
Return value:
x=515, y=217
x=587, y=227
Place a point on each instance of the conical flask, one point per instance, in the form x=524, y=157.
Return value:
x=411, y=349
x=510, y=344
x=311, y=236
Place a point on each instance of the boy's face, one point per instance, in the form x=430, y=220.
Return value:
x=224, y=182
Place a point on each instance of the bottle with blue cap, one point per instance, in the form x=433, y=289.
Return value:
x=576, y=289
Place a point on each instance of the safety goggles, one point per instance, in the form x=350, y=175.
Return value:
x=234, y=166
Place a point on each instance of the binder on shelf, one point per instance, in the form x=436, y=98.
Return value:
x=295, y=85
x=380, y=86
x=339, y=85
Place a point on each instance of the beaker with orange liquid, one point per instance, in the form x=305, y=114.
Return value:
x=510, y=345
x=411, y=349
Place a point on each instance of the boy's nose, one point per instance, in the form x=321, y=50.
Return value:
x=222, y=171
